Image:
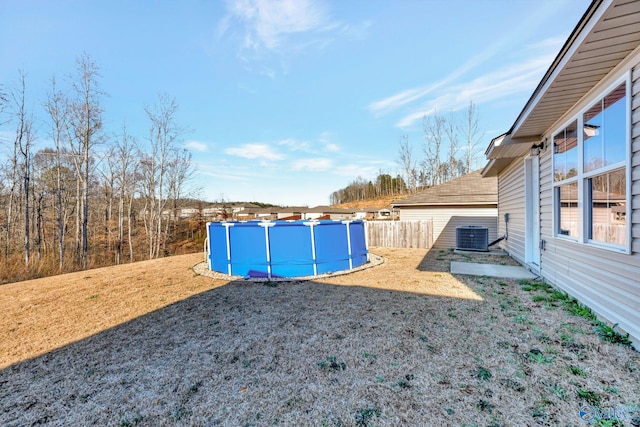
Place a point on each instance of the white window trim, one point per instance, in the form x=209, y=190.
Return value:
x=581, y=238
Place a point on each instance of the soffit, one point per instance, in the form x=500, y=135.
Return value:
x=601, y=46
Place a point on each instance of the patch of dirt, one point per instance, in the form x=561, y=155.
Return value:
x=403, y=343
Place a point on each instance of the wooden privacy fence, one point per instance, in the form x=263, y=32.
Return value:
x=400, y=234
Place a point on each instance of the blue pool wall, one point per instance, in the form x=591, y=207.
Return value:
x=286, y=248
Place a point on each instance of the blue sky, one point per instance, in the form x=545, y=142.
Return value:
x=290, y=100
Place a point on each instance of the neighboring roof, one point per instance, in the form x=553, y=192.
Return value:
x=329, y=210
x=469, y=189
x=244, y=205
x=606, y=34
x=370, y=209
x=290, y=209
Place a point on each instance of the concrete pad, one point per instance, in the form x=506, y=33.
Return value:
x=498, y=252
x=491, y=270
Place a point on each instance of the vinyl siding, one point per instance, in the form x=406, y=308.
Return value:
x=511, y=201
x=447, y=218
x=635, y=160
x=605, y=280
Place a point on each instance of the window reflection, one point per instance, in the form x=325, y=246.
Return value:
x=567, y=197
x=608, y=207
x=565, y=152
x=604, y=130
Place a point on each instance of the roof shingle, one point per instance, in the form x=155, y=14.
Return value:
x=469, y=189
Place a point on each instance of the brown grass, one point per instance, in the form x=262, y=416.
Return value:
x=404, y=343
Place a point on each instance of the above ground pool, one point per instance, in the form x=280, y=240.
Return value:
x=285, y=248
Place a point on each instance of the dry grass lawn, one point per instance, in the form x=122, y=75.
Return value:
x=403, y=343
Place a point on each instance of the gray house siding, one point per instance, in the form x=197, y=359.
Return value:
x=511, y=201
x=605, y=280
x=447, y=218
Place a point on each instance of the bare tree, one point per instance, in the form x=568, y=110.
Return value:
x=164, y=134
x=57, y=108
x=434, y=134
x=23, y=142
x=107, y=168
x=472, y=136
x=4, y=102
x=41, y=191
x=452, y=161
x=180, y=170
x=43, y=185
x=86, y=120
x=407, y=162
x=12, y=178
x=124, y=155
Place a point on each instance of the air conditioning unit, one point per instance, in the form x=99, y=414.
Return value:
x=472, y=238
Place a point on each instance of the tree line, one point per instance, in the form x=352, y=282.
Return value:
x=85, y=197
x=450, y=148
x=362, y=189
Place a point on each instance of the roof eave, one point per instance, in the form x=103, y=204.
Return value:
x=577, y=35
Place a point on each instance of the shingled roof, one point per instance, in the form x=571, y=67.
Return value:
x=469, y=189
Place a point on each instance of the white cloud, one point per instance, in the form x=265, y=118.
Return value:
x=313, y=165
x=197, y=146
x=392, y=103
x=383, y=106
x=552, y=44
x=332, y=147
x=255, y=151
x=268, y=23
x=319, y=146
x=509, y=79
x=295, y=145
x=264, y=28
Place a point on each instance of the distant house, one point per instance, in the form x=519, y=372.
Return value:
x=240, y=206
x=188, y=213
x=267, y=213
x=467, y=200
x=568, y=170
x=365, y=213
x=327, y=212
x=386, y=213
x=291, y=212
x=245, y=214
x=375, y=213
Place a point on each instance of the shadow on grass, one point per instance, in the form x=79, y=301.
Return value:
x=196, y=361
x=313, y=353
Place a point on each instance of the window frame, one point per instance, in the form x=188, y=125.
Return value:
x=585, y=214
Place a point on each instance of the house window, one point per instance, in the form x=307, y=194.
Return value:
x=590, y=173
x=607, y=207
x=604, y=131
x=565, y=152
x=567, y=196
